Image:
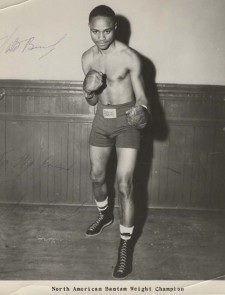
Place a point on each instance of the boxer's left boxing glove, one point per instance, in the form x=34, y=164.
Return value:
x=138, y=116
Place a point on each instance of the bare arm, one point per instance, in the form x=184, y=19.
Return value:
x=85, y=61
x=91, y=98
x=137, y=80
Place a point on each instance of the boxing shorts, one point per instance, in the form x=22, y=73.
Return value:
x=110, y=127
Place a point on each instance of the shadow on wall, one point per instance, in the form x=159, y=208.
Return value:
x=157, y=129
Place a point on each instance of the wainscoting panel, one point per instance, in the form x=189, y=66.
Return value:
x=44, y=153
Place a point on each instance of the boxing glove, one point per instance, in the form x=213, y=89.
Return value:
x=138, y=116
x=93, y=81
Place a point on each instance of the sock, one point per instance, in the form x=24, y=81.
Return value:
x=103, y=205
x=126, y=232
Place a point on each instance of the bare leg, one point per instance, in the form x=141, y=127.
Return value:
x=99, y=157
x=125, y=170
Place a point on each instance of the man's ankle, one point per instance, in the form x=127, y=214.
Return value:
x=102, y=205
x=126, y=232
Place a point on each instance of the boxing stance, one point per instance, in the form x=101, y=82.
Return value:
x=114, y=82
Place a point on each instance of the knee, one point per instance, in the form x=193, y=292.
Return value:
x=125, y=186
x=97, y=176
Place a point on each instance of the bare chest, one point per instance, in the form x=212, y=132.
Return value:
x=114, y=68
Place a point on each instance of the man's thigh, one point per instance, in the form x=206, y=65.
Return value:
x=126, y=158
x=99, y=157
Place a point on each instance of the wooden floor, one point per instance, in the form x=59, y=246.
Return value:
x=49, y=243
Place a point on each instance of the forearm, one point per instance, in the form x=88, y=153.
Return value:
x=142, y=100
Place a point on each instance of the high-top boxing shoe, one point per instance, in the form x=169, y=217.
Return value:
x=124, y=262
x=104, y=218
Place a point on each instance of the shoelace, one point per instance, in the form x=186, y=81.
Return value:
x=123, y=256
x=96, y=223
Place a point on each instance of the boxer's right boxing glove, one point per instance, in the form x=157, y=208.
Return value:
x=92, y=82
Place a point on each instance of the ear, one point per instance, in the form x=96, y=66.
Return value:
x=115, y=25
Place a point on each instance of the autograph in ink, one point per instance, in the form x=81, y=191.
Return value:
x=12, y=43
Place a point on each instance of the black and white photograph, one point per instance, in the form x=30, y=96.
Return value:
x=112, y=147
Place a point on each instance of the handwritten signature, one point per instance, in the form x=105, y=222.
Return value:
x=12, y=43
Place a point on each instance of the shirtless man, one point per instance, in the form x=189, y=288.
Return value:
x=114, y=82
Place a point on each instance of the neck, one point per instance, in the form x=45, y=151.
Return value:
x=108, y=50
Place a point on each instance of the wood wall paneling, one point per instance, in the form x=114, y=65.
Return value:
x=44, y=155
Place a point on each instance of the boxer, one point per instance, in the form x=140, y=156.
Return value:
x=113, y=81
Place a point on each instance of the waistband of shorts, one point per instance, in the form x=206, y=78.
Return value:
x=120, y=108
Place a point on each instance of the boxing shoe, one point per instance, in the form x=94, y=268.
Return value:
x=124, y=263
x=104, y=218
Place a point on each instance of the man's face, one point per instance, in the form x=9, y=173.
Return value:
x=102, y=29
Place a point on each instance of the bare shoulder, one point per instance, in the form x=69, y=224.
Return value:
x=130, y=55
x=87, y=53
x=87, y=58
x=133, y=57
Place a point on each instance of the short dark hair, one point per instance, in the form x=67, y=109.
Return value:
x=102, y=10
